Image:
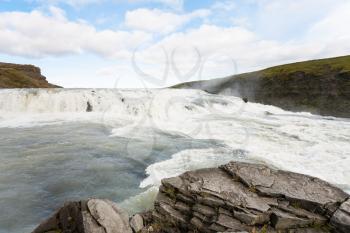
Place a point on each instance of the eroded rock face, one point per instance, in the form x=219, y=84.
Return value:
x=242, y=197
x=341, y=218
x=237, y=197
x=309, y=192
x=22, y=76
x=91, y=216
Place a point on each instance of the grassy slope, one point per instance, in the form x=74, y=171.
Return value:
x=22, y=76
x=318, y=86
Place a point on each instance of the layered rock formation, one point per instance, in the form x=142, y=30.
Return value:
x=250, y=198
x=320, y=86
x=341, y=218
x=22, y=76
x=237, y=197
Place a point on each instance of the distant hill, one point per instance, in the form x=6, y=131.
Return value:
x=22, y=76
x=318, y=86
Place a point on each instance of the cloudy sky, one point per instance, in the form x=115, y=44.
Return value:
x=155, y=43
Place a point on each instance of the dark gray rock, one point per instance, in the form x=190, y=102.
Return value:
x=317, y=219
x=237, y=197
x=205, y=210
x=182, y=207
x=240, y=197
x=284, y=220
x=188, y=200
x=210, y=200
x=217, y=183
x=91, y=216
x=163, y=198
x=231, y=223
x=217, y=228
x=171, y=215
x=309, y=192
x=341, y=218
x=251, y=218
x=197, y=224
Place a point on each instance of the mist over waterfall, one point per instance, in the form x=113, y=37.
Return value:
x=65, y=144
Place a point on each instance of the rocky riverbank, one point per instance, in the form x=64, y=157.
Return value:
x=236, y=197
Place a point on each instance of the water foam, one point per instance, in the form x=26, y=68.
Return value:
x=299, y=142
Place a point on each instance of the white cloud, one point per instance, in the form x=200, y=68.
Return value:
x=325, y=35
x=288, y=19
x=174, y=4
x=224, y=5
x=75, y=3
x=222, y=48
x=241, y=22
x=334, y=26
x=35, y=34
x=156, y=20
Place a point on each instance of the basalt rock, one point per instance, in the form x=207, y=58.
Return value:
x=236, y=197
x=341, y=218
x=243, y=197
x=91, y=216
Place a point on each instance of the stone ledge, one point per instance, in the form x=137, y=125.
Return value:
x=237, y=197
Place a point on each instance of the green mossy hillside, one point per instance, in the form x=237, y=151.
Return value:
x=316, y=86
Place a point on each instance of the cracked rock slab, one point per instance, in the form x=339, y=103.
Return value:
x=240, y=197
x=285, y=220
x=310, y=192
x=237, y=197
x=341, y=218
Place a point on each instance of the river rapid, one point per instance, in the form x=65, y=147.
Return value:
x=58, y=145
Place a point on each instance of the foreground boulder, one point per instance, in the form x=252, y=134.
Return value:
x=341, y=217
x=91, y=216
x=237, y=197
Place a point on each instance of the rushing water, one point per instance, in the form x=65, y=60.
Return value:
x=65, y=144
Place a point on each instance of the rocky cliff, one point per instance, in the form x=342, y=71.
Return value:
x=319, y=86
x=237, y=197
x=22, y=76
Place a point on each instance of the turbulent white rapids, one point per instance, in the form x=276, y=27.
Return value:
x=225, y=127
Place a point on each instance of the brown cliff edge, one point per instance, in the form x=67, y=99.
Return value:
x=22, y=76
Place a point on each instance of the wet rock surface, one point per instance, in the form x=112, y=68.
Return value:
x=236, y=197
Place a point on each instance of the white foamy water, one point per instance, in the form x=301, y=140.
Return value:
x=153, y=134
